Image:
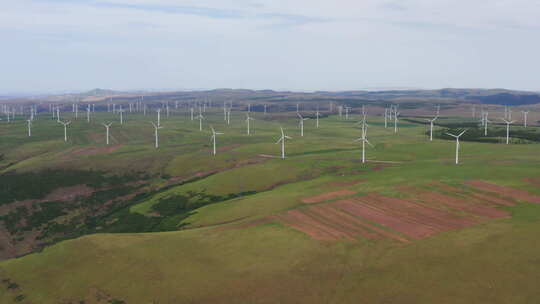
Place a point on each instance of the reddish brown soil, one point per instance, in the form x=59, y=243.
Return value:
x=484, y=198
x=457, y=204
x=505, y=191
x=428, y=214
x=327, y=196
x=533, y=181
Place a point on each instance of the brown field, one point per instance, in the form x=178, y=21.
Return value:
x=505, y=191
x=374, y=216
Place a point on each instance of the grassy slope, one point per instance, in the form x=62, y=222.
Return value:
x=271, y=263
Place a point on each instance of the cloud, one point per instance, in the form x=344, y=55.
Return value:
x=294, y=44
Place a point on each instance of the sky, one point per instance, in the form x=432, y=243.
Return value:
x=301, y=45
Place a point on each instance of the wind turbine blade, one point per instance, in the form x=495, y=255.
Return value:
x=462, y=133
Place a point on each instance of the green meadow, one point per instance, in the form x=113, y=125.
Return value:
x=198, y=229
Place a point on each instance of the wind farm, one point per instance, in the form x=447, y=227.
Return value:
x=291, y=152
x=308, y=196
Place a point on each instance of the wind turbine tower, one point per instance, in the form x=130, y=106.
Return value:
x=107, y=126
x=301, y=124
x=282, y=141
x=457, y=144
x=508, y=123
x=248, y=118
x=525, y=113
x=214, y=135
x=156, y=128
x=65, y=124
x=431, y=121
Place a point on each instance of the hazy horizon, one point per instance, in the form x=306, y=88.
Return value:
x=58, y=46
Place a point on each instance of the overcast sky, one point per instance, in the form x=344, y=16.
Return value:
x=51, y=45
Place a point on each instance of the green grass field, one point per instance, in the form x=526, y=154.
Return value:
x=224, y=250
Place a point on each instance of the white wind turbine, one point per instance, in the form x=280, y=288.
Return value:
x=363, y=139
x=107, y=126
x=301, y=124
x=65, y=123
x=282, y=140
x=88, y=113
x=200, y=117
x=396, y=114
x=508, y=123
x=213, y=138
x=431, y=121
x=248, y=118
x=525, y=113
x=158, y=117
x=156, y=128
x=121, y=115
x=29, y=123
x=457, y=143
x=385, y=118
x=485, y=121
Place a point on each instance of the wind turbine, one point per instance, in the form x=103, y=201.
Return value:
x=385, y=118
x=156, y=128
x=301, y=124
x=121, y=115
x=347, y=113
x=248, y=118
x=107, y=126
x=88, y=113
x=317, y=115
x=29, y=123
x=485, y=121
x=431, y=127
x=200, y=117
x=457, y=143
x=396, y=114
x=282, y=140
x=525, y=113
x=214, y=135
x=508, y=123
x=364, y=140
x=158, y=117
x=66, y=123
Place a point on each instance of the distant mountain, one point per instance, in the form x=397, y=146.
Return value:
x=100, y=92
x=483, y=96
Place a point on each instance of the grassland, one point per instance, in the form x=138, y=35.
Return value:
x=225, y=246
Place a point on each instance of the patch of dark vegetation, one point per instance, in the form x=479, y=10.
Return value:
x=16, y=186
x=496, y=134
x=475, y=132
x=508, y=99
x=169, y=212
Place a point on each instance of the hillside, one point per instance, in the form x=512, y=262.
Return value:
x=130, y=223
